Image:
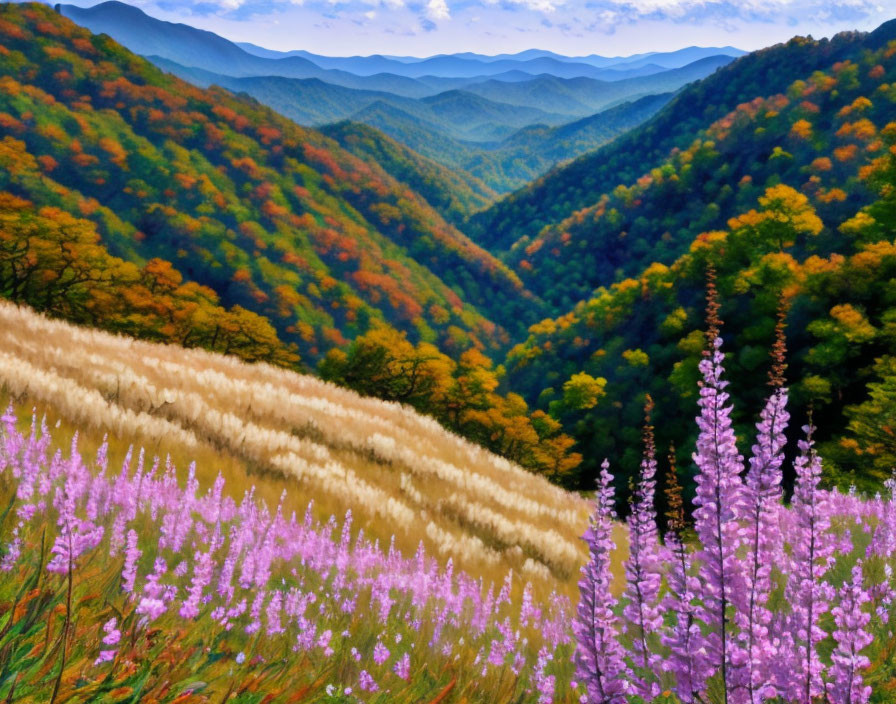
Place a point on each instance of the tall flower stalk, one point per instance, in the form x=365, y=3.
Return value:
x=717, y=501
x=851, y=636
x=761, y=498
x=809, y=596
x=643, y=571
x=600, y=664
x=684, y=638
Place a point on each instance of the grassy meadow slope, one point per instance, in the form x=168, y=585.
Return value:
x=423, y=570
x=273, y=217
x=399, y=472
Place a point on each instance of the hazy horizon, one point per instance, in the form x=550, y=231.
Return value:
x=419, y=57
x=422, y=28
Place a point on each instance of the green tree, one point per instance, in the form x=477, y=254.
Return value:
x=872, y=423
x=786, y=215
x=582, y=391
x=385, y=364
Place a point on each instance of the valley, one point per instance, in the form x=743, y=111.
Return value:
x=373, y=378
x=485, y=118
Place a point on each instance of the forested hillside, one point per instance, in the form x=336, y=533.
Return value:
x=273, y=217
x=814, y=242
x=581, y=184
x=533, y=150
x=453, y=195
x=503, y=144
x=815, y=136
x=506, y=162
x=138, y=203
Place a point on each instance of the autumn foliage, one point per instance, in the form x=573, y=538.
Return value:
x=239, y=199
x=463, y=395
x=57, y=263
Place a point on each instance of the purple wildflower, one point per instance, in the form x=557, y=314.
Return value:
x=761, y=498
x=544, y=682
x=809, y=597
x=599, y=657
x=131, y=555
x=402, y=667
x=716, y=517
x=852, y=637
x=643, y=573
x=380, y=653
x=366, y=682
x=112, y=637
x=151, y=608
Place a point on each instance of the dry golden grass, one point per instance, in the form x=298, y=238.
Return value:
x=399, y=472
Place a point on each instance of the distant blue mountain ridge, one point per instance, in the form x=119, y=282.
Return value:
x=530, y=61
x=189, y=46
x=502, y=120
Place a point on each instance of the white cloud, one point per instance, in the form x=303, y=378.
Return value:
x=542, y=5
x=614, y=11
x=437, y=10
x=756, y=8
x=536, y=5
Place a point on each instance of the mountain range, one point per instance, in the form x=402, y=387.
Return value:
x=252, y=205
x=533, y=63
x=198, y=48
x=465, y=110
x=584, y=285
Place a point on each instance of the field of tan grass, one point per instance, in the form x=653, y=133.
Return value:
x=400, y=473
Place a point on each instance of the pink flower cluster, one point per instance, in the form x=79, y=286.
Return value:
x=184, y=555
x=749, y=601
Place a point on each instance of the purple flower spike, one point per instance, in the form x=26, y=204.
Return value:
x=600, y=664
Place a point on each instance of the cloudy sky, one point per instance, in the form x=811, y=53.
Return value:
x=574, y=27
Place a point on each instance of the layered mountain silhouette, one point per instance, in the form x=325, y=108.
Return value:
x=462, y=110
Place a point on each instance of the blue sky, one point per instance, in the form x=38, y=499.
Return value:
x=608, y=27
